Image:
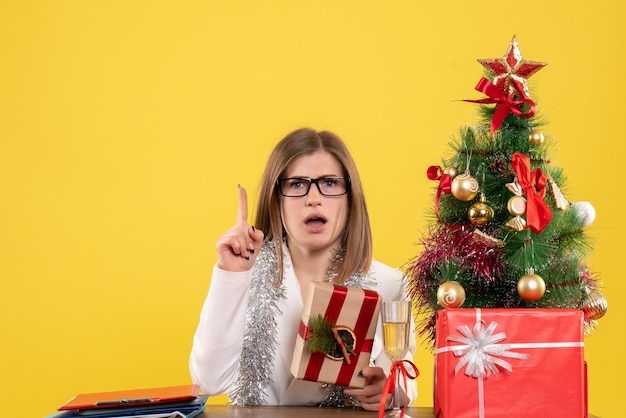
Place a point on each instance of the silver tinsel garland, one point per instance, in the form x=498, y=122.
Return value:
x=259, y=341
x=260, y=337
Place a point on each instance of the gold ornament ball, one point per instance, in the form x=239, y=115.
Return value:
x=516, y=205
x=531, y=287
x=452, y=171
x=451, y=294
x=536, y=138
x=480, y=213
x=595, y=306
x=464, y=187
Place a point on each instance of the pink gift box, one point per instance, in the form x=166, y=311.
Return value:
x=494, y=363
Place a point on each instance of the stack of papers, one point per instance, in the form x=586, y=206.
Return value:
x=165, y=402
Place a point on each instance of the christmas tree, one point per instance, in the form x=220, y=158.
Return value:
x=503, y=234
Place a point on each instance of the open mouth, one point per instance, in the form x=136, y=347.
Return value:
x=315, y=220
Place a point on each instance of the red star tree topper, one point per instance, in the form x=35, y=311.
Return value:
x=511, y=71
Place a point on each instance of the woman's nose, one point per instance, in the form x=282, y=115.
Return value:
x=314, y=197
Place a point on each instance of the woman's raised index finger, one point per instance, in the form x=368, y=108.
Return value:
x=242, y=212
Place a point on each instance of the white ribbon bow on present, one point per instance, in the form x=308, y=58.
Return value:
x=482, y=349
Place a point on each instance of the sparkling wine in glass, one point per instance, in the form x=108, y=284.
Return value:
x=396, y=318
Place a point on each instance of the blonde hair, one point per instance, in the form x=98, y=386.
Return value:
x=356, y=239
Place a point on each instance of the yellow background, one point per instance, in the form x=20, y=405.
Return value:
x=125, y=127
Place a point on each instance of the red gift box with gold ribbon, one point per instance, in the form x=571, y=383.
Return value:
x=514, y=363
x=345, y=308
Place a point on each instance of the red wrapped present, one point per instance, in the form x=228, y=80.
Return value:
x=352, y=314
x=493, y=363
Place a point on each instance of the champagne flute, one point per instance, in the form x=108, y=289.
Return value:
x=396, y=317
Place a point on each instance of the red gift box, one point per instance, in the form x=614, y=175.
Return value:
x=493, y=363
x=354, y=308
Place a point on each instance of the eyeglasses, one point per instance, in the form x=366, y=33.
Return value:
x=300, y=186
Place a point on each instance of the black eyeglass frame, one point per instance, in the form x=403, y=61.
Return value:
x=315, y=181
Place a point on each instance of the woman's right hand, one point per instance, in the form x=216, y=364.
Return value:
x=240, y=245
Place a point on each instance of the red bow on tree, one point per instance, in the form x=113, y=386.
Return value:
x=538, y=214
x=504, y=103
x=435, y=172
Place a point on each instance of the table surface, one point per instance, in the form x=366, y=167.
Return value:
x=300, y=412
x=304, y=412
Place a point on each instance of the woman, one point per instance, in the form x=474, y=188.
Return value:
x=311, y=225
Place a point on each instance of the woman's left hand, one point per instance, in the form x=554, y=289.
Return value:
x=370, y=395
